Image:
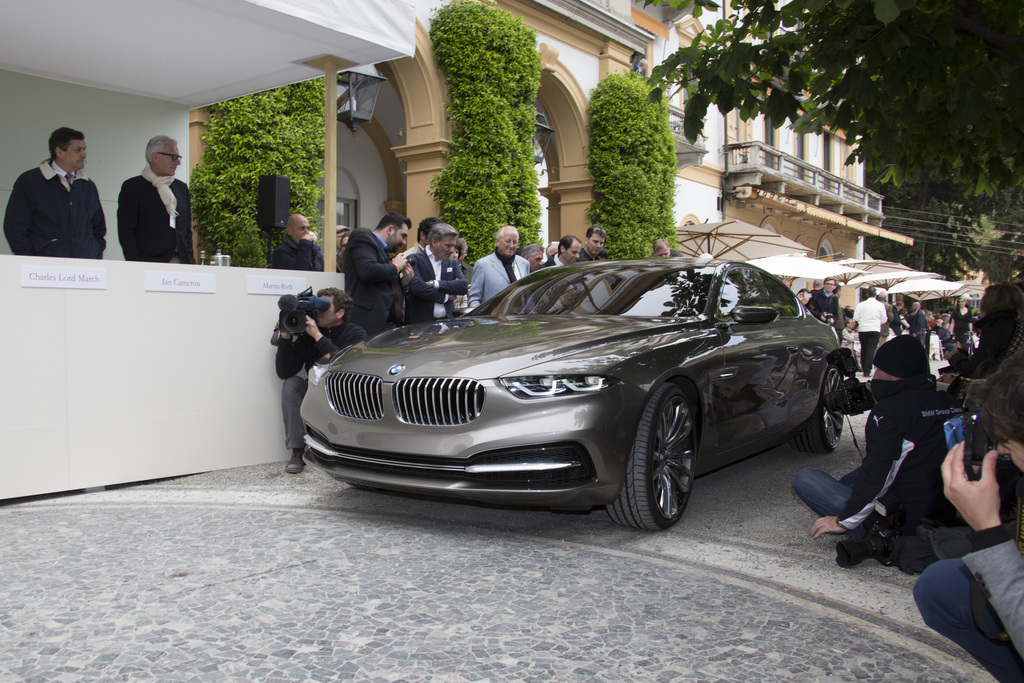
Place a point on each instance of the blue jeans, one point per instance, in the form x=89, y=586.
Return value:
x=825, y=495
x=943, y=594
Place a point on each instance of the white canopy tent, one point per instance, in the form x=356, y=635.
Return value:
x=197, y=53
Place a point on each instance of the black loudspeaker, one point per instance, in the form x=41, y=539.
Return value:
x=272, y=201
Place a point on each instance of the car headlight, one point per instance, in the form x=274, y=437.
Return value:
x=320, y=368
x=547, y=386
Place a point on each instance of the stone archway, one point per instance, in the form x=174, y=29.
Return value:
x=570, y=187
x=422, y=91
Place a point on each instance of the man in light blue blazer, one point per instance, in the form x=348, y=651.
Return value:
x=496, y=271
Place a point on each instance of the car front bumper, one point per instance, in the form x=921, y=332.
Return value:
x=558, y=452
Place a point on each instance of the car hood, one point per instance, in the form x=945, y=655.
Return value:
x=488, y=347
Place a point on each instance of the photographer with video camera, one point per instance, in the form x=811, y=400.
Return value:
x=905, y=444
x=309, y=328
x=978, y=601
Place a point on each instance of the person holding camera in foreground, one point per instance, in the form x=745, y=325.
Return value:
x=326, y=333
x=905, y=444
x=978, y=601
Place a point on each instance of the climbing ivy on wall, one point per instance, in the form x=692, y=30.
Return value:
x=632, y=160
x=277, y=132
x=492, y=68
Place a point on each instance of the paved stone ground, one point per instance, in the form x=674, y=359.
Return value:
x=252, y=574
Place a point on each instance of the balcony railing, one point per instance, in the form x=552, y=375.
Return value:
x=755, y=163
x=687, y=153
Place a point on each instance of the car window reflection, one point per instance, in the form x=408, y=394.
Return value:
x=629, y=291
x=746, y=287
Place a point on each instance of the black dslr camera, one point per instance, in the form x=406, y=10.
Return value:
x=851, y=397
x=881, y=540
x=295, y=309
x=969, y=428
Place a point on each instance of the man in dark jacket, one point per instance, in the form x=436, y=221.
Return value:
x=905, y=446
x=824, y=305
x=328, y=333
x=375, y=281
x=594, y=246
x=54, y=210
x=154, y=214
x=437, y=278
x=918, y=324
x=299, y=250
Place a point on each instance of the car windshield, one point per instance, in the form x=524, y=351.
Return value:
x=632, y=290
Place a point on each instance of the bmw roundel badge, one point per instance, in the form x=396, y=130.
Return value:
x=395, y=369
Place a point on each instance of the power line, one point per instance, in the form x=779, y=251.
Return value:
x=947, y=225
x=937, y=213
x=956, y=218
x=898, y=222
x=977, y=247
x=966, y=240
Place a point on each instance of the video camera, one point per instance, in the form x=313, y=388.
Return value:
x=295, y=309
x=851, y=396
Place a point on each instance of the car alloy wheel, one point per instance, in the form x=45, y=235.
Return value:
x=825, y=430
x=832, y=422
x=659, y=474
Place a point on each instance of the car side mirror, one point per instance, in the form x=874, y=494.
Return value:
x=754, y=314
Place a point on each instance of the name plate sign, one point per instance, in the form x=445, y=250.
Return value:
x=278, y=286
x=63, y=277
x=202, y=283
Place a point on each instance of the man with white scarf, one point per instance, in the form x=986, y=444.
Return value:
x=154, y=213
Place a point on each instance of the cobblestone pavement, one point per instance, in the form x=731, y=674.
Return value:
x=252, y=574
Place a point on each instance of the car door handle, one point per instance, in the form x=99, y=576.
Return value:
x=724, y=373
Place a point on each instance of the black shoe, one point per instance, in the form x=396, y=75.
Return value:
x=295, y=465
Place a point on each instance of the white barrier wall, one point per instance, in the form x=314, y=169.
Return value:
x=121, y=384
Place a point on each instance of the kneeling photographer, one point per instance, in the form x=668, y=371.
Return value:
x=978, y=601
x=898, y=483
x=309, y=328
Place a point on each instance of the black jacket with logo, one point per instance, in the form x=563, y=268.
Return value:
x=906, y=444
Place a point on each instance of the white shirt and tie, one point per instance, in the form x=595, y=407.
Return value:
x=439, y=311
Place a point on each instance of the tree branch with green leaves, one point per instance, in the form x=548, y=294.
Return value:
x=911, y=84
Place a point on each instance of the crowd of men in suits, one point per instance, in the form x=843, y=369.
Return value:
x=430, y=280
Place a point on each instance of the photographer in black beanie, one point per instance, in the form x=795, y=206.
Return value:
x=904, y=443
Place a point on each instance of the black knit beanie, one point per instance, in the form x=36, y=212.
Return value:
x=902, y=357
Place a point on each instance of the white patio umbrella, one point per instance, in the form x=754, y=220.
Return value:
x=970, y=288
x=870, y=265
x=887, y=279
x=925, y=288
x=800, y=266
x=734, y=240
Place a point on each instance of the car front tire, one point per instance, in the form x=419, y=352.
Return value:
x=660, y=470
x=825, y=430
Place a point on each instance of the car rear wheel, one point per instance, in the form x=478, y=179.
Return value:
x=825, y=430
x=659, y=474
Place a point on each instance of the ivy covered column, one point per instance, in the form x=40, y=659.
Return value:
x=492, y=69
x=632, y=160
